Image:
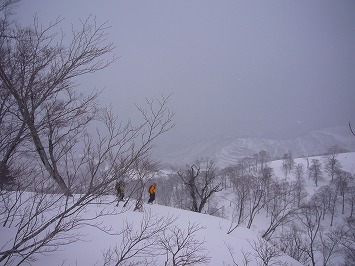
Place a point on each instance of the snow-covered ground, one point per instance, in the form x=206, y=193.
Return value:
x=213, y=234
x=220, y=247
x=217, y=244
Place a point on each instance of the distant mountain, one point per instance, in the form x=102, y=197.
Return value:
x=229, y=150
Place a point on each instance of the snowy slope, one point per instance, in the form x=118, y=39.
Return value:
x=214, y=235
x=347, y=161
x=217, y=242
x=229, y=150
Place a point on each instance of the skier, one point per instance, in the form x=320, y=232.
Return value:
x=119, y=191
x=152, y=190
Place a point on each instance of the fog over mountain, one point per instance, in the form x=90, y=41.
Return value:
x=272, y=69
x=228, y=150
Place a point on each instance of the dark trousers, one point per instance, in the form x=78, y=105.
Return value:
x=151, y=198
x=120, y=195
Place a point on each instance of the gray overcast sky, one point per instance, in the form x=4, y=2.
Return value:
x=262, y=68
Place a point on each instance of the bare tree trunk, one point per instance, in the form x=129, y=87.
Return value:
x=310, y=217
x=351, y=129
x=37, y=72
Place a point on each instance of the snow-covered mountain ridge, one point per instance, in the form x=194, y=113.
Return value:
x=229, y=150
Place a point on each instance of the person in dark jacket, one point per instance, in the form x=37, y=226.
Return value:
x=119, y=191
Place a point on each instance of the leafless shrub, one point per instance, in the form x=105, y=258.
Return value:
x=156, y=238
x=138, y=244
x=246, y=256
x=266, y=253
x=182, y=248
x=291, y=242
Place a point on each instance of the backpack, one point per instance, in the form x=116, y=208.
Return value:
x=119, y=186
x=151, y=189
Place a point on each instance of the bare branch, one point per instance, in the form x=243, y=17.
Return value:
x=351, y=129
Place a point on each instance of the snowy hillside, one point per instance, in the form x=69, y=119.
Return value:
x=229, y=150
x=180, y=233
x=216, y=243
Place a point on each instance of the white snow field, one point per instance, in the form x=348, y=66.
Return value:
x=220, y=248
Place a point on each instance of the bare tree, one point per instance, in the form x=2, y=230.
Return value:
x=348, y=242
x=13, y=130
x=246, y=256
x=315, y=171
x=7, y=179
x=138, y=245
x=283, y=208
x=251, y=194
x=36, y=233
x=156, y=238
x=55, y=115
x=299, y=184
x=201, y=184
x=332, y=164
x=257, y=194
x=330, y=243
x=287, y=163
x=266, y=173
x=333, y=200
x=255, y=158
x=322, y=199
x=47, y=127
x=248, y=164
x=351, y=198
x=259, y=160
x=242, y=193
x=264, y=157
x=37, y=72
x=265, y=252
x=171, y=191
x=235, y=172
x=291, y=242
x=182, y=247
x=118, y=145
x=310, y=218
x=342, y=182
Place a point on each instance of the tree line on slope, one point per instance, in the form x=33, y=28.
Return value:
x=299, y=223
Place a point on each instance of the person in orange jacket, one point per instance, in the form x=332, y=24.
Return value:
x=152, y=190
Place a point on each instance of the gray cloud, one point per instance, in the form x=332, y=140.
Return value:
x=262, y=68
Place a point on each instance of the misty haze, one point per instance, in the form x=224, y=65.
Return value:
x=236, y=68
